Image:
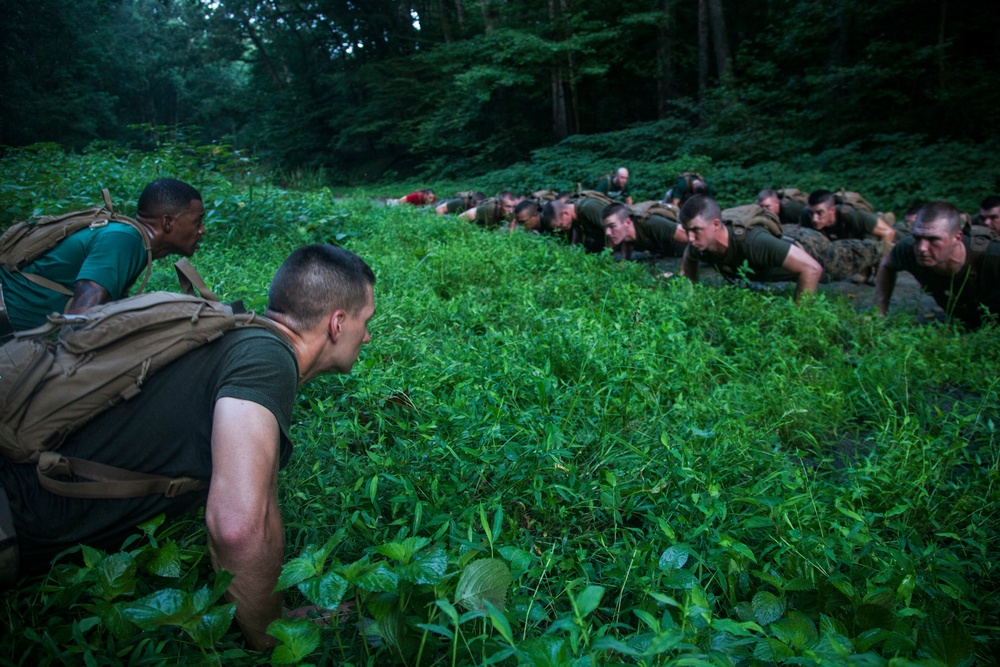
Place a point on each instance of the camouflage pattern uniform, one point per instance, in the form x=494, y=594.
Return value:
x=840, y=259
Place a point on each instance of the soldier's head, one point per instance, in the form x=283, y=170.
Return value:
x=508, y=201
x=618, y=225
x=429, y=196
x=937, y=232
x=768, y=199
x=702, y=220
x=528, y=214
x=175, y=212
x=823, y=208
x=989, y=212
x=557, y=215
x=325, y=295
x=621, y=177
x=699, y=187
x=911, y=214
x=477, y=198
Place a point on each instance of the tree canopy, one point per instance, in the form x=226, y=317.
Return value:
x=452, y=86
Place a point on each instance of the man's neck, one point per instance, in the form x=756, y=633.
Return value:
x=955, y=262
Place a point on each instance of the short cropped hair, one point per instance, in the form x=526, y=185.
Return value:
x=526, y=205
x=767, y=193
x=990, y=202
x=941, y=211
x=822, y=197
x=699, y=187
x=615, y=209
x=166, y=195
x=700, y=206
x=316, y=280
x=550, y=213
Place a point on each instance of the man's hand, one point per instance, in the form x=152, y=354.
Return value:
x=244, y=524
x=798, y=261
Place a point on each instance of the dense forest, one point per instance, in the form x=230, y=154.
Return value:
x=447, y=88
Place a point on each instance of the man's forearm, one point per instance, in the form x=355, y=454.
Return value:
x=256, y=562
x=885, y=283
x=807, y=283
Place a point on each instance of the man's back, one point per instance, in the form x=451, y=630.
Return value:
x=165, y=430
x=112, y=256
x=763, y=252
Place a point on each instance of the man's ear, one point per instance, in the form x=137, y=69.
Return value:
x=335, y=323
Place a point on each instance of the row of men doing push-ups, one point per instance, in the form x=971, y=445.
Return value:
x=784, y=235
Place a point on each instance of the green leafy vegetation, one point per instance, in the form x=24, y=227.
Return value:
x=548, y=458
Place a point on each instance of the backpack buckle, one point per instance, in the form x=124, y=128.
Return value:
x=96, y=224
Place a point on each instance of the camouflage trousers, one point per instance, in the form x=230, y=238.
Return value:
x=840, y=259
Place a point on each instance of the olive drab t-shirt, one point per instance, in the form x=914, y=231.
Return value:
x=165, y=430
x=112, y=256
x=608, y=186
x=963, y=295
x=656, y=234
x=763, y=252
x=850, y=224
x=589, y=223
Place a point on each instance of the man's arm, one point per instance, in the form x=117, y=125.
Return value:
x=628, y=200
x=884, y=233
x=885, y=283
x=689, y=266
x=245, y=533
x=86, y=293
x=469, y=215
x=808, y=269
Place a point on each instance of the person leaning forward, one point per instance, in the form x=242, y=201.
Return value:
x=652, y=233
x=961, y=272
x=100, y=264
x=236, y=396
x=728, y=249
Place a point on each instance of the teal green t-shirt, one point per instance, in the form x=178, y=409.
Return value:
x=112, y=256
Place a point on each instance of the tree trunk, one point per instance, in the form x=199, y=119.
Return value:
x=460, y=16
x=941, y=44
x=484, y=9
x=664, y=89
x=719, y=39
x=559, y=122
x=259, y=44
x=702, y=49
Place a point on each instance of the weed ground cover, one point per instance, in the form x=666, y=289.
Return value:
x=550, y=458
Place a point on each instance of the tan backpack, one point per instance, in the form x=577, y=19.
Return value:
x=743, y=218
x=852, y=200
x=644, y=209
x=50, y=388
x=26, y=241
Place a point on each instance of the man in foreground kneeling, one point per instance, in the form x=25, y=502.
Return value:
x=220, y=413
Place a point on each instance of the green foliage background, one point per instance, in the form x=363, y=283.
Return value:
x=545, y=457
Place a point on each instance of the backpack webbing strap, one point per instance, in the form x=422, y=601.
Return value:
x=110, y=482
x=191, y=280
x=46, y=283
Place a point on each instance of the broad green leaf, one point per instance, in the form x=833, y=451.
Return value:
x=608, y=643
x=214, y=624
x=437, y=629
x=589, y=600
x=393, y=550
x=520, y=560
x=298, y=639
x=767, y=607
x=166, y=561
x=544, y=651
x=113, y=619
x=486, y=579
x=324, y=591
x=377, y=578
x=294, y=572
x=673, y=558
x=946, y=639
x=795, y=630
x=168, y=606
x=732, y=627
x=449, y=610
x=771, y=650
x=426, y=568
x=116, y=575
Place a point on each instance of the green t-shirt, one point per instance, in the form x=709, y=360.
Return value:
x=850, y=224
x=656, y=234
x=111, y=256
x=608, y=186
x=456, y=206
x=763, y=252
x=962, y=295
x=588, y=222
x=489, y=214
x=165, y=430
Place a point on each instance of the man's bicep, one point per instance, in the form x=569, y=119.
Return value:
x=245, y=455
